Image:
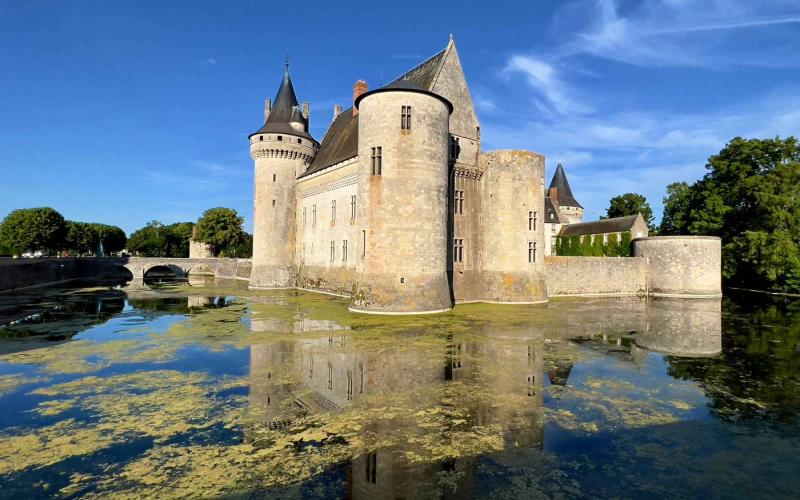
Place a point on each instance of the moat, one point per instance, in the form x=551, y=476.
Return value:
x=207, y=389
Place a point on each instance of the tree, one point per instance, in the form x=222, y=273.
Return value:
x=597, y=246
x=112, y=237
x=32, y=229
x=586, y=246
x=612, y=248
x=631, y=204
x=157, y=240
x=575, y=248
x=221, y=228
x=750, y=198
x=625, y=245
x=676, y=209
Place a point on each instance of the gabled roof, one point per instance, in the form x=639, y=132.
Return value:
x=615, y=225
x=285, y=110
x=339, y=144
x=564, y=195
x=424, y=75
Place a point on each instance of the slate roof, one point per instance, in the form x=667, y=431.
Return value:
x=284, y=111
x=552, y=215
x=615, y=225
x=564, y=195
x=339, y=144
x=341, y=140
x=424, y=75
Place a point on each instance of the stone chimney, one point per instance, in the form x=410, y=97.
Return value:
x=306, y=110
x=553, y=193
x=360, y=87
x=267, y=107
x=337, y=110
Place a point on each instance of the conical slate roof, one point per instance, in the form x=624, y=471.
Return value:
x=285, y=110
x=564, y=195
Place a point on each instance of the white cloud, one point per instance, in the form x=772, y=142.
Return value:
x=555, y=95
x=211, y=61
x=697, y=33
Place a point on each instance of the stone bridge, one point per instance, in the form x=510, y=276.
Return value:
x=140, y=267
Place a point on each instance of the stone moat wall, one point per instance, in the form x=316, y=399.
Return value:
x=595, y=276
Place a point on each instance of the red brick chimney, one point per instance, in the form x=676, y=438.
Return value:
x=360, y=87
x=553, y=194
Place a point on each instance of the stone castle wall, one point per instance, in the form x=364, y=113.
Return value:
x=319, y=226
x=596, y=275
x=682, y=265
x=403, y=211
x=279, y=159
x=512, y=191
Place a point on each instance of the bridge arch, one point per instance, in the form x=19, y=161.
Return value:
x=163, y=272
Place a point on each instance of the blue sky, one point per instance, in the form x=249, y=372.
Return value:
x=125, y=112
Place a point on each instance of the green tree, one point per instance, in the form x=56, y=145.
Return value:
x=586, y=246
x=631, y=204
x=221, y=228
x=612, y=248
x=750, y=198
x=575, y=248
x=676, y=209
x=598, y=246
x=113, y=238
x=158, y=240
x=32, y=229
x=79, y=238
x=624, y=249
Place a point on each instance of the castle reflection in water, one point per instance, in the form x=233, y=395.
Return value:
x=333, y=371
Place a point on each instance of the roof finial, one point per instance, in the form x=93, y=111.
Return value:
x=286, y=62
x=451, y=37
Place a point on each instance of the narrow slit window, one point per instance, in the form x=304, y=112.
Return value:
x=274, y=177
x=458, y=250
x=405, y=118
x=531, y=251
x=344, y=251
x=314, y=215
x=363, y=243
x=333, y=212
x=377, y=160
x=459, y=202
x=353, y=207
x=304, y=216
x=333, y=251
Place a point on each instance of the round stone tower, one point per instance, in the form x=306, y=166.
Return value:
x=403, y=136
x=281, y=150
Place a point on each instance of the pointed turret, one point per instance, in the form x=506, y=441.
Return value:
x=560, y=195
x=285, y=116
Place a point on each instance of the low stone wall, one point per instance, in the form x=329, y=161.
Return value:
x=595, y=276
x=682, y=266
x=24, y=273
x=243, y=269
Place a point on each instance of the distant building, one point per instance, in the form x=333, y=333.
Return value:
x=633, y=224
x=560, y=208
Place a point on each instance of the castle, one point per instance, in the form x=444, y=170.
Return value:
x=398, y=207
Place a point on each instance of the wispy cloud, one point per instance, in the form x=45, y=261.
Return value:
x=211, y=61
x=668, y=32
x=553, y=93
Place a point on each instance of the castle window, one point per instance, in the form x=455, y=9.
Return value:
x=459, y=202
x=344, y=251
x=333, y=212
x=280, y=137
x=274, y=177
x=353, y=207
x=531, y=251
x=333, y=251
x=314, y=215
x=273, y=203
x=533, y=218
x=304, y=216
x=363, y=243
x=372, y=468
x=260, y=137
x=377, y=160
x=349, y=385
x=405, y=118
x=458, y=250
x=299, y=141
